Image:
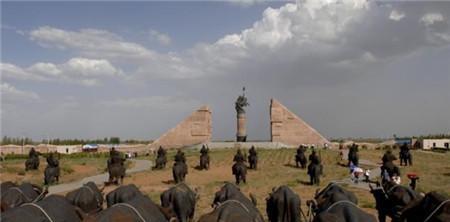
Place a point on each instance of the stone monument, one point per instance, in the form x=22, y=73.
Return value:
x=195, y=129
x=286, y=127
x=241, y=102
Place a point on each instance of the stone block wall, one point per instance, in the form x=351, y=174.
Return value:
x=288, y=128
x=195, y=129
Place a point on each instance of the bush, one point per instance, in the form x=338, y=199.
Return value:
x=85, y=155
x=387, y=147
x=21, y=172
x=12, y=169
x=368, y=205
x=15, y=156
x=364, y=147
x=67, y=169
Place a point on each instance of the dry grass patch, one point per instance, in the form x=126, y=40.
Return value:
x=72, y=169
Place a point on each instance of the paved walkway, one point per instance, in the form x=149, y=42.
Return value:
x=375, y=171
x=139, y=165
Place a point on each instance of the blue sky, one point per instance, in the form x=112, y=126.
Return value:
x=187, y=23
x=134, y=69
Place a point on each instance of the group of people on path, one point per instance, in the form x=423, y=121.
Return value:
x=239, y=167
x=51, y=172
x=391, y=172
x=32, y=163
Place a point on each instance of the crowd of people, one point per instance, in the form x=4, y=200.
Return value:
x=385, y=201
x=115, y=163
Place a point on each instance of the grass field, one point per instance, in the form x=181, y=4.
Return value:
x=276, y=167
x=71, y=169
x=432, y=168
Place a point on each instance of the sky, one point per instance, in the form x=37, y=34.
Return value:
x=350, y=68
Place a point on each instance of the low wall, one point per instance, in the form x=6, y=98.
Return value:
x=44, y=148
x=243, y=145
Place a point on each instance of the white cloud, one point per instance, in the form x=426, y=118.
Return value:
x=11, y=71
x=78, y=70
x=328, y=30
x=91, y=42
x=312, y=54
x=162, y=38
x=396, y=15
x=45, y=69
x=90, y=67
x=11, y=94
x=431, y=18
x=16, y=30
x=350, y=31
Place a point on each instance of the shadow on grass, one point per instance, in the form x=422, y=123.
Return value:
x=303, y=182
x=199, y=168
x=168, y=182
x=292, y=166
x=342, y=164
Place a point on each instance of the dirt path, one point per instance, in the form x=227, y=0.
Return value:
x=139, y=165
x=375, y=171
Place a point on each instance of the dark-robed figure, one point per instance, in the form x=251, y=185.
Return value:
x=115, y=157
x=314, y=168
x=353, y=156
x=405, y=155
x=389, y=170
x=180, y=168
x=239, y=157
x=51, y=173
x=204, y=150
x=253, y=158
x=32, y=163
x=161, y=158
x=180, y=157
x=116, y=166
x=204, y=158
x=300, y=158
x=239, y=169
x=388, y=157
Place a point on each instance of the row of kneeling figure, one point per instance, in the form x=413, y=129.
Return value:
x=27, y=202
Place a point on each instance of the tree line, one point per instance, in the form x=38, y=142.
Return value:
x=379, y=140
x=57, y=141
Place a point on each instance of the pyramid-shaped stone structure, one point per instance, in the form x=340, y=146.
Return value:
x=288, y=128
x=195, y=129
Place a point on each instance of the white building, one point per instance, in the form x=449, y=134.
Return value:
x=437, y=143
x=68, y=149
x=90, y=148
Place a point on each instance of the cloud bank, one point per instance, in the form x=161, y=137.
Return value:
x=350, y=68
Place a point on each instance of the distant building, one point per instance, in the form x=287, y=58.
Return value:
x=401, y=141
x=90, y=148
x=68, y=149
x=435, y=143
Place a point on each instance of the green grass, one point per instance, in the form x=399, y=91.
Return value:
x=276, y=168
x=14, y=169
x=67, y=169
x=432, y=168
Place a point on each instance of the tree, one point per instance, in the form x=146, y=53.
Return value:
x=114, y=140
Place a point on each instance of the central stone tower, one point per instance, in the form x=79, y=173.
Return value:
x=241, y=102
